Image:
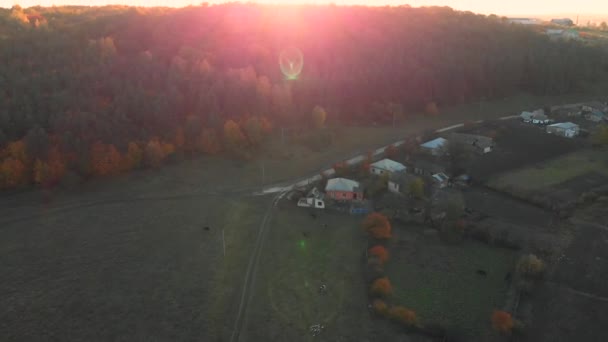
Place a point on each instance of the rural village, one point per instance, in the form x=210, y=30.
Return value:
x=487, y=207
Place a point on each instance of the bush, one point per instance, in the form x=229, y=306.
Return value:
x=380, y=307
x=404, y=316
x=502, y=321
x=379, y=252
x=530, y=266
x=381, y=287
x=377, y=226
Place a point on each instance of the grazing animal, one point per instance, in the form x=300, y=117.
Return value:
x=482, y=273
x=206, y=228
x=508, y=277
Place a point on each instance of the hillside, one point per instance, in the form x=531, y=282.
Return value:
x=100, y=91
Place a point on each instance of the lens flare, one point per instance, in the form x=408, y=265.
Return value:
x=291, y=62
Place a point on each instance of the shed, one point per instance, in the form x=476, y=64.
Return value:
x=435, y=146
x=343, y=189
x=441, y=180
x=564, y=129
x=427, y=168
x=540, y=118
x=526, y=116
x=386, y=166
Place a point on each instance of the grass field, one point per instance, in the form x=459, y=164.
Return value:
x=554, y=171
x=300, y=255
x=440, y=282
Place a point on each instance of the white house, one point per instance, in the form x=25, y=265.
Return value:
x=435, y=146
x=386, y=166
x=565, y=129
x=441, y=180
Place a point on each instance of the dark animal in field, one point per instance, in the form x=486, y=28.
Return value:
x=508, y=277
x=482, y=273
x=206, y=228
x=305, y=234
x=313, y=215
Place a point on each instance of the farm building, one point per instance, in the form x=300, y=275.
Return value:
x=476, y=143
x=562, y=22
x=399, y=182
x=595, y=116
x=434, y=147
x=343, y=189
x=540, y=118
x=594, y=106
x=564, y=129
x=526, y=116
x=440, y=180
x=386, y=166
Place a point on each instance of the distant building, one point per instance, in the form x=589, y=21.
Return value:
x=476, y=143
x=440, y=180
x=386, y=166
x=399, y=182
x=595, y=116
x=434, y=147
x=564, y=129
x=594, y=105
x=536, y=117
x=343, y=189
x=562, y=22
x=524, y=21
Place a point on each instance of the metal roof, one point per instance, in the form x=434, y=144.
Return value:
x=435, y=143
x=565, y=125
x=388, y=165
x=341, y=184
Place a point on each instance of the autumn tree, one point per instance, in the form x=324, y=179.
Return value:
x=208, y=142
x=379, y=306
x=402, y=315
x=134, y=157
x=381, y=287
x=530, y=266
x=253, y=129
x=105, y=159
x=392, y=152
x=318, y=116
x=180, y=138
x=377, y=226
x=153, y=153
x=379, y=252
x=416, y=188
x=233, y=136
x=502, y=322
x=13, y=173
x=431, y=108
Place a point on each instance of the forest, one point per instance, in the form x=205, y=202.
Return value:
x=96, y=91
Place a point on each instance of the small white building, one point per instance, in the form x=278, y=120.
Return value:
x=435, y=147
x=386, y=166
x=441, y=180
x=564, y=129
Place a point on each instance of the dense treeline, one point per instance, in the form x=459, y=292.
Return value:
x=104, y=90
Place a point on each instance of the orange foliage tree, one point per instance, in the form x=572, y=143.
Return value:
x=208, y=142
x=502, y=321
x=105, y=159
x=431, y=108
x=403, y=315
x=13, y=172
x=381, y=287
x=50, y=172
x=153, y=154
x=379, y=252
x=233, y=135
x=380, y=307
x=133, y=158
x=392, y=151
x=377, y=226
x=167, y=149
x=180, y=138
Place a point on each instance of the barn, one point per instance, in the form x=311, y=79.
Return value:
x=564, y=129
x=386, y=166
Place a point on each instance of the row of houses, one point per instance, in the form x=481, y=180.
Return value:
x=593, y=111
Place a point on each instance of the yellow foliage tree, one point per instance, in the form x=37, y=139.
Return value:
x=319, y=115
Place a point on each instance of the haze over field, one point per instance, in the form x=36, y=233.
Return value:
x=514, y=7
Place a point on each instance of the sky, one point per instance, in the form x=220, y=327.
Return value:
x=500, y=7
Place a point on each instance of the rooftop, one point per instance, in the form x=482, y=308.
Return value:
x=435, y=143
x=388, y=165
x=565, y=125
x=342, y=184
